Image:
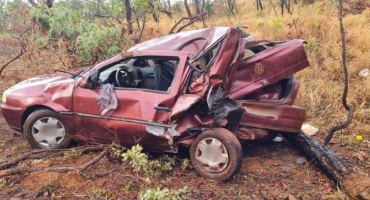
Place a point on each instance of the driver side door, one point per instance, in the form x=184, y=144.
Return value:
x=142, y=114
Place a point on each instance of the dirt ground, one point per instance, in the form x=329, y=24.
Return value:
x=269, y=171
x=272, y=170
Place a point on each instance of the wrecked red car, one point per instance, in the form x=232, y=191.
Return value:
x=204, y=89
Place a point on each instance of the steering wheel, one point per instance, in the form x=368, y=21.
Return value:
x=124, y=78
x=127, y=76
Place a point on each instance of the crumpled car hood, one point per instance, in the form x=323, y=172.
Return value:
x=39, y=82
x=54, y=90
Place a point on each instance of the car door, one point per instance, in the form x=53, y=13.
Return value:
x=141, y=116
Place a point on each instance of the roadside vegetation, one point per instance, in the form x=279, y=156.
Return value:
x=75, y=33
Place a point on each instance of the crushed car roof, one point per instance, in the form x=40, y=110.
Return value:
x=189, y=41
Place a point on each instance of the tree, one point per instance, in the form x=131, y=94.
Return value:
x=3, y=15
x=287, y=5
x=49, y=3
x=128, y=15
x=187, y=8
x=231, y=6
x=197, y=7
x=259, y=5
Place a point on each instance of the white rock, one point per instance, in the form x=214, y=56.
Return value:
x=364, y=73
x=278, y=139
x=309, y=129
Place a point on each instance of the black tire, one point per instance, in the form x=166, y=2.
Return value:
x=56, y=135
x=228, y=154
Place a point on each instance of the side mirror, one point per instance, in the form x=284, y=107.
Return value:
x=92, y=80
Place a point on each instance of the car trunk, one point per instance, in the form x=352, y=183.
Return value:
x=264, y=64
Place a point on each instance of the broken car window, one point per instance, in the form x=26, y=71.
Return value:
x=255, y=47
x=151, y=73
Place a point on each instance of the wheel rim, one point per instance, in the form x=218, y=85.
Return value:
x=212, y=154
x=48, y=131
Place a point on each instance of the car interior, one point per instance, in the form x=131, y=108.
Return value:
x=152, y=73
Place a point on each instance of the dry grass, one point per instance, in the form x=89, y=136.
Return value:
x=322, y=83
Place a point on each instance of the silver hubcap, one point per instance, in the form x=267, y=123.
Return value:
x=212, y=154
x=48, y=131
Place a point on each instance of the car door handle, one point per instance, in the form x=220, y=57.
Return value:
x=162, y=108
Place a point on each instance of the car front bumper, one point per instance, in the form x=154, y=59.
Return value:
x=13, y=116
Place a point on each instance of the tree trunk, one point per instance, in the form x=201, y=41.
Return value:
x=282, y=7
x=33, y=3
x=231, y=5
x=287, y=5
x=356, y=184
x=187, y=8
x=197, y=7
x=259, y=5
x=128, y=16
x=49, y=3
x=153, y=11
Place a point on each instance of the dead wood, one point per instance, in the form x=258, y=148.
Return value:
x=28, y=155
x=355, y=183
x=44, y=153
x=102, y=174
x=23, y=170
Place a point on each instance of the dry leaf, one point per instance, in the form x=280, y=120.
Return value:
x=284, y=185
x=275, y=193
x=361, y=156
x=291, y=197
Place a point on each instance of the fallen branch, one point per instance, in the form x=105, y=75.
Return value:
x=25, y=156
x=37, y=154
x=355, y=183
x=101, y=174
x=23, y=170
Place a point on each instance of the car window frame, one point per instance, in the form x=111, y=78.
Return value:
x=181, y=55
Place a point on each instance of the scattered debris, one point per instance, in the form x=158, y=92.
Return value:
x=8, y=171
x=361, y=156
x=354, y=182
x=301, y=160
x=364, y=73
x=359, y=138
x=278, y=139
x=309, y=129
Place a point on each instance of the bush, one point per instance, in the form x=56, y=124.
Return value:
x=90, y=41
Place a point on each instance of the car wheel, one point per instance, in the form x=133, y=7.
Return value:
x=46, y=130
x=216, y=154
